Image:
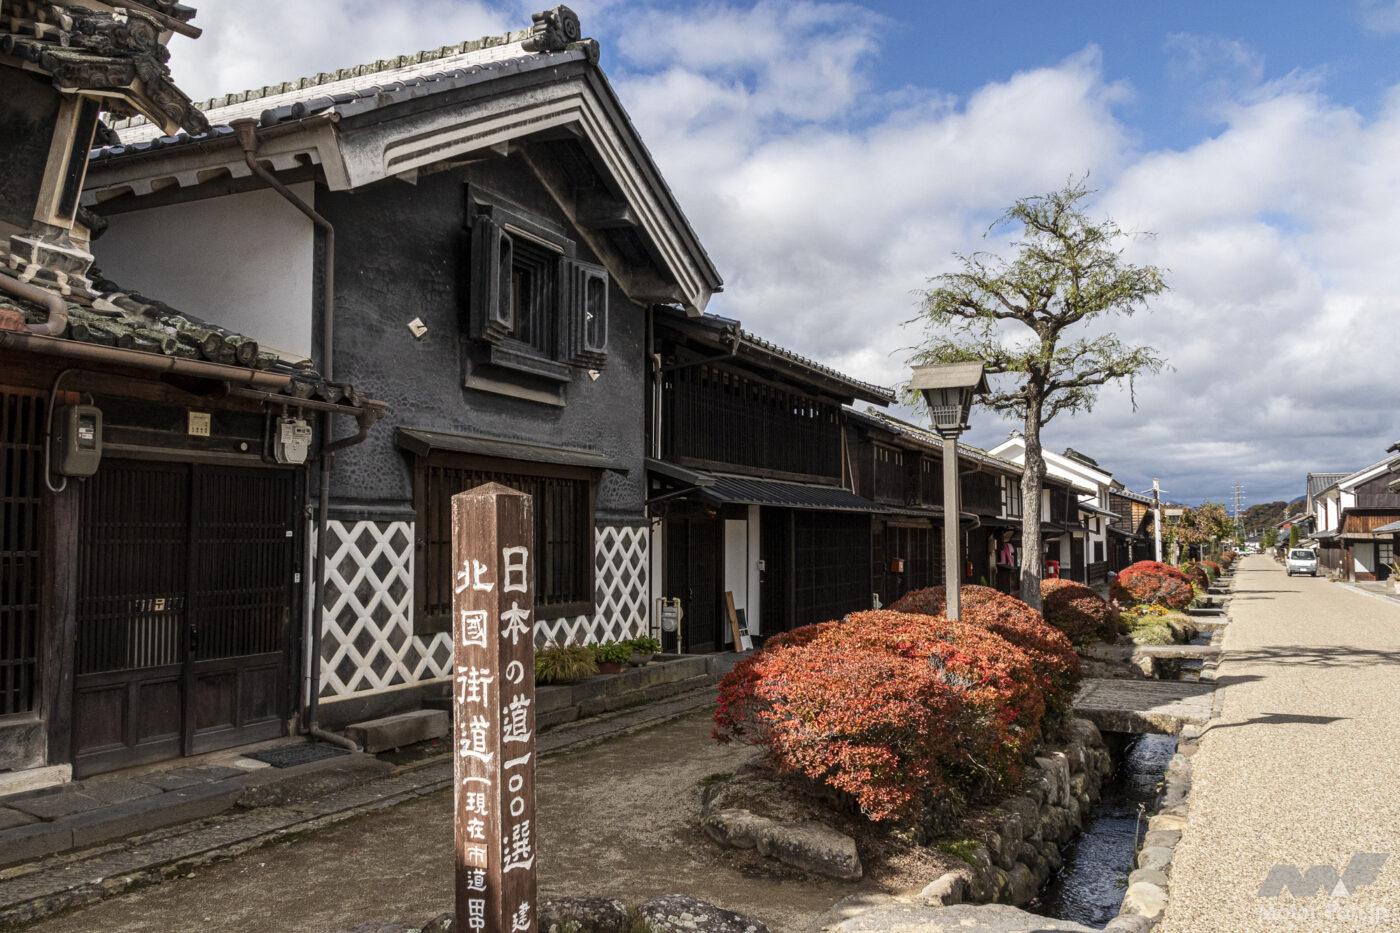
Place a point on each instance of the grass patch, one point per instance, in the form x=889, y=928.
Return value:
x=960, y=849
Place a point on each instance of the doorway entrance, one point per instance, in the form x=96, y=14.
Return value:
x=184, y=610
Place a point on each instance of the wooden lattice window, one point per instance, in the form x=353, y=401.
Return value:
x=718, y=417
x=831, y=565
x=21, y=527
x=563, y=551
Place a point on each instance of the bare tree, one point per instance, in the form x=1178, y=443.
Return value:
x=1024, y=317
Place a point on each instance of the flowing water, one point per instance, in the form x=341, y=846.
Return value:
x=1090, y=886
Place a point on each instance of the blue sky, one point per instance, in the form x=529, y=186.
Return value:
x=833, y=156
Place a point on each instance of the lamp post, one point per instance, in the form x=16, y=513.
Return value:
x=948, y=390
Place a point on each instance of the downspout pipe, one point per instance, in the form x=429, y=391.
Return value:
x=57, y=321
x=247, y=133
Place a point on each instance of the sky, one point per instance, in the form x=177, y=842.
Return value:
x=835, y=156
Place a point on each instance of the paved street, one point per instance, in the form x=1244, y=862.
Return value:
x=1302, y=765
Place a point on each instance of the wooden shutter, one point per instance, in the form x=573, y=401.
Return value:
x=584, y=293
x=491, y=260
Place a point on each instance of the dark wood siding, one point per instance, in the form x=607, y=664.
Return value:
x=563, y=503
x=21, y=471
x=718, y=417
x=831, y=564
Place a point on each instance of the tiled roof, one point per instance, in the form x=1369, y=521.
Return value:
x=1318, y=482
x=931, y=440
x=1126, y=493
x=301, y=97
x=722, y=327
x=128, y=320
x=798, y=359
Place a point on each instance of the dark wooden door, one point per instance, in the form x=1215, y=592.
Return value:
x=183, y=610
x=693, y=574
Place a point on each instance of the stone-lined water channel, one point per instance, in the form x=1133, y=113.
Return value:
x=1089, y=887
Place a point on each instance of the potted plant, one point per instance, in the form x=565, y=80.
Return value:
x=612, y=657
x=564, y=664
x=644, y=648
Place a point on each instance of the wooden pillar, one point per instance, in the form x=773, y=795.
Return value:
x=493, y=641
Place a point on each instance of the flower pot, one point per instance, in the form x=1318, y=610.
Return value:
x=641, y=657
x=611, y=667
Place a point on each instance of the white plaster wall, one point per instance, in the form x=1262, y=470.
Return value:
x=755, y=597
x=1363, y=557
x=736, y=568
x=243, y=262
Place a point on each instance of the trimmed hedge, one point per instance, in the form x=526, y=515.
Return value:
x=1054, y=657
x=1213, y=568
x=1151, y=582
x=1198, y=575
x=1075, y=609
x=904, y=714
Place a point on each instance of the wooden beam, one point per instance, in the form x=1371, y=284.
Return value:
x=601, y=211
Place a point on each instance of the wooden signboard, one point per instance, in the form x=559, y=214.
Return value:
x=493, y=641
x=738, y=625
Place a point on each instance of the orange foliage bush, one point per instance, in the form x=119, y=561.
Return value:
x=1151, y=583
x=900, y=712
x=1075, y=609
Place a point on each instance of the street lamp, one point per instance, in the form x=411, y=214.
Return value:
x=948, y=389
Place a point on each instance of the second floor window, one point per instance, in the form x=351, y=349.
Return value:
x=1012, y=507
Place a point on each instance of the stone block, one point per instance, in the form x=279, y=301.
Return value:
x=119, y=791
x=1157, y=857
x=56, y=806
x=812, y=846
x=1167, y=821
x=947, y=888
x=1145, y=899
x=581, y=915
x=9, y=819
x=680, y=913
x=35, y=840
x=149, y=813
x=29, y=780
x=399, y=730
x=1149, y=875
x=1167, y=838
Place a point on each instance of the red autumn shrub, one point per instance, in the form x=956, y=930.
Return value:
x=1229, y=558
x=1197, y=574
x=1213, y=568
x=900, y=712
x=1050, y=651
x=1075, y=609
x=737, y=703
x=1151, y=583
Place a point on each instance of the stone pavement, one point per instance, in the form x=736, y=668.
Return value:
x=144, y=833
x=1300, y=773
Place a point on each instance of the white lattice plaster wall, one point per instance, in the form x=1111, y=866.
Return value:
x=368, y=644
x=621, y=562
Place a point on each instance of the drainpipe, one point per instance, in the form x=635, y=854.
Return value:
x=57, y=321
x=247, y=133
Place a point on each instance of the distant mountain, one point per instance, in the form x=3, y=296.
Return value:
x=1268, y=514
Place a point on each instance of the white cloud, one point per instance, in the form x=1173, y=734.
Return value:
x=1278, y=231
x=251, y=43
x=827, y=200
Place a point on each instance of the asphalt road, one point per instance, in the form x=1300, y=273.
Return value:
x=1301, y=769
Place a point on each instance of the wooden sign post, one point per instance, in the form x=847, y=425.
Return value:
x=493, y=638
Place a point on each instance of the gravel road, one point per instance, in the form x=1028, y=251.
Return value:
x=1303, y=766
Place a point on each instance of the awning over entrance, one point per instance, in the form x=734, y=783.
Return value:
x=1391, y=529
x=425, y=442
x=728, y=489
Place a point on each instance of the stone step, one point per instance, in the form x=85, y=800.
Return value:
x=399, y=730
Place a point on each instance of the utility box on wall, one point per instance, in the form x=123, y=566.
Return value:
x=76, y=446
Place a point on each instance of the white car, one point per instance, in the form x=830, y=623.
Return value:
x=1301, y=560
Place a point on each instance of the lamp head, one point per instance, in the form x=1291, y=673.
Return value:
x=948, y=390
